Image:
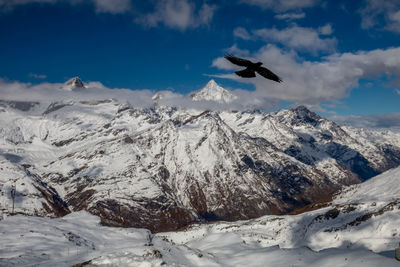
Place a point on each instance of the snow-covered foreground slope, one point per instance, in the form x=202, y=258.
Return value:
x=359, y=228
x=78, y=238
x=382, y=189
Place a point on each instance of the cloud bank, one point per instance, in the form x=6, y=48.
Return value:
x=374, y=121
x=51, y=92
x=313, y=82
x=47, y=93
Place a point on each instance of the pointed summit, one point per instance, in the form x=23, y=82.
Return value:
x=73, y=84
x=300, y=115
x=213, y=92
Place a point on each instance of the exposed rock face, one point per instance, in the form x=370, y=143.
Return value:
x=163, y=168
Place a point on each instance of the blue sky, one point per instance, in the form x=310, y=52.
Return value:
x=337, y=57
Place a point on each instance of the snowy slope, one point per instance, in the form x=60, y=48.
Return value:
x=24, y=193
x=383, y=188
x=353, y=230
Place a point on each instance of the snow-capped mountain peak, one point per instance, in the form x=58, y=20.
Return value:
x=213, y=92
x=73, y=84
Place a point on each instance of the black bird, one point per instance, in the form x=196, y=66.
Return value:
x=252, y=68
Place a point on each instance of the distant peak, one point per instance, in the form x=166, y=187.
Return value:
x=213, y=92
x=304, y=115
x=302, y=108
x=73, y=84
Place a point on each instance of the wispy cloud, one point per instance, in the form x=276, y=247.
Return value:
x=384, y=14
x=282, y=6
x=37, y=76
x=178, y=14
x=112, y=6
x=290, y=16
x=242, y=33
x=234, y=49
x=295, y=37
x=397, y=91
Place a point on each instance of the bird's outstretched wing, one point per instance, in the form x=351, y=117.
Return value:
x=246, y=73
x=266, y=73
x=238, y=61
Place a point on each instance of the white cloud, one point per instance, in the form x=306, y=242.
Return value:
x=398, y=91
x=242, y=33
x=282, y=5
x=326, y=30
x=223, y=64
x=290, y=16
x=244, y=101
x=382, y=14
x=299, y=38
x=178, y=14
x=234, y=49
x=313, y=82
x=389, y=121
x=112, y=6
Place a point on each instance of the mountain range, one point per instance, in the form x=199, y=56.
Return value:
x=162, y=168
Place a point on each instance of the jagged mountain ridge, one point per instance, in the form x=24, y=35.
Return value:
x=162, y=168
